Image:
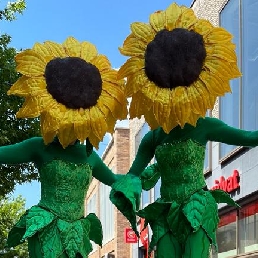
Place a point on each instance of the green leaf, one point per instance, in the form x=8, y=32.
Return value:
x=125, y=195
x=222, y=197
x=51, y=241
x=150, y=177
x=178, y=223
x=211, y=218
x=194, y=209
x=36, y=220
x=95, y=230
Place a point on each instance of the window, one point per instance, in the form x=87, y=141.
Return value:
x=248, y=228
x=91, y=208
x=226, y=235
x=106, y=213
x=239, y=109
x=246, y=220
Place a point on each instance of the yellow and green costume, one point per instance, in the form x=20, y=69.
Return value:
x=178, y=65
x=77, y=95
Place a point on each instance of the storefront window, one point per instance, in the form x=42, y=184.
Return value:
x=238, y=227
x=226, y=236
x=239, y=109
x=248, y=228
x=229, y=104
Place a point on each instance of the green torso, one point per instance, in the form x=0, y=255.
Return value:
x=63, y=188
x=65, y=176
x=181, y=168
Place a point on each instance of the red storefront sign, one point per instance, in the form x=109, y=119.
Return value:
x=229, y=184
x=130, y=236
x=144, y=236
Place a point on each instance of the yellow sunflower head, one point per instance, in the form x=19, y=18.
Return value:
x=72, y=88
x=178, y=66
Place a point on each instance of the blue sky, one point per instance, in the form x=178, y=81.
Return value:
x=104, y=23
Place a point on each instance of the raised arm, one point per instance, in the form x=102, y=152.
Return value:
x=144, y=155
x=100, y=171
x=23, y=152
x=220, y=132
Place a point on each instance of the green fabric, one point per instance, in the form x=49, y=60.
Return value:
x=207, y=129
x=56, y=224
x=57, y=236
x=150, y=176
x=180, y=157
x=125, y=195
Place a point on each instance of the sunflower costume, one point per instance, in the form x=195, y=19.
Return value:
x=78, y=97
x=177, y=68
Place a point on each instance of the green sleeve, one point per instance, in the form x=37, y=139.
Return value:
x=218, y=131
x=100, y=171
x=23, y=152
x=144, y=155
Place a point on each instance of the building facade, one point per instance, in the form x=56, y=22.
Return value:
x=233, y=168
x=116, y=157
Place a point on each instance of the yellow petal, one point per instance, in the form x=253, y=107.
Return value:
x=143, y=31
x=94, y=140
x=49, y=126
x=30, y=63
x=98, y=123
x=26, y=86
x=204, y=96
x=235, y=73
x=213, y=83
x=197, y=106
x=55, y=49
x=150, y=119
x=218, y=66
x=72, y=47
x=101, y=62
x=203, y=27
x=109, y=76
x=43, y=51
x=139, y=105
x=162, y=107
x=46, y=102
x=135, y=48
x=129, y=39
x=88, y=51
x=135, y=82
x=66, y=134
x=82, y=125
x=186, y=20
x=30, y=108
x=218, y=35
x=172, y=14
x=192, y=120
x=131, y=66
x=114, y=91
x=181, y=104
x=150, y=90
x=158, y=20
x=222, y=52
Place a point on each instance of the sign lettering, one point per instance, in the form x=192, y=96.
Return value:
x=229, y=184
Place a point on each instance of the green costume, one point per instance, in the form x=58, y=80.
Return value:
x=56, y=227
x=76, y=94
x=185, y=216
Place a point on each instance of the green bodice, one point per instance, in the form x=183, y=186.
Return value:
x=181, y=168
x=63, y=188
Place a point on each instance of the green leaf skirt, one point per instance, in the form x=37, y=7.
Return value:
x=57, y=236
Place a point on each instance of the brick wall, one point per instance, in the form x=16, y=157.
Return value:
x=116, y=157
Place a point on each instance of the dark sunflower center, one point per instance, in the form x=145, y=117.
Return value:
x=174, y=58
x=73, y=82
